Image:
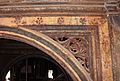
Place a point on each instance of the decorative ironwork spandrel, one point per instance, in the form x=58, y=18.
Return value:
x=78, y=46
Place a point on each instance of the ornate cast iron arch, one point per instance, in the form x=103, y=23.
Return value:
x=50, y=47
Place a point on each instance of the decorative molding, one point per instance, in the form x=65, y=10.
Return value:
x=58, y=20
x=74, y=26
x=48, y=1
x=53, y=49
x=65, y=7
x=112, y=6
x=80, y=41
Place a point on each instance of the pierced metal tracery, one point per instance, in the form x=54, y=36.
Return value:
x=78, y=46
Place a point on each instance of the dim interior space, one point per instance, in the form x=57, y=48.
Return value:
x=22, y=62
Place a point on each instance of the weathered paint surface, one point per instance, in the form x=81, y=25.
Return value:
x=100, y=22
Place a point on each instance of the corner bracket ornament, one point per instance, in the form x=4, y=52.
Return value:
x=78, y=46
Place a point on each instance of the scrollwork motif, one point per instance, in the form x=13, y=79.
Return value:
x=77, y=46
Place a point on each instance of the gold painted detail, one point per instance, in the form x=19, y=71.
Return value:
x=58, y=20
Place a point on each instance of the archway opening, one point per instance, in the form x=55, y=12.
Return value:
x=22, y=62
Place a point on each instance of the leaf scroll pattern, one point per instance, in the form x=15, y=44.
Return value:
x=78, y=46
